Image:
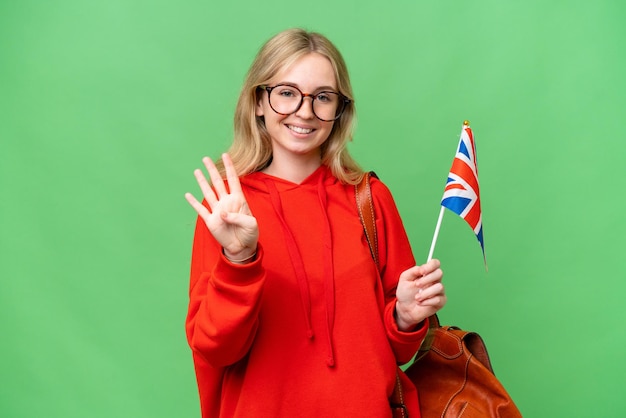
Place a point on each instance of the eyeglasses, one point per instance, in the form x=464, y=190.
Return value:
x=285, y=100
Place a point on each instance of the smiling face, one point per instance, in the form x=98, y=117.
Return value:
x=301, y=134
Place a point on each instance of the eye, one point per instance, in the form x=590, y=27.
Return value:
x=287, y=92
x=326, y=97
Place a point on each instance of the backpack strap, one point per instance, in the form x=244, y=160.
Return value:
x=365, y=205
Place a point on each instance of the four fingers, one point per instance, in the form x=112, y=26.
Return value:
x=217, y=188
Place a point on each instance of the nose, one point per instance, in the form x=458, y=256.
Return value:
x=306, y=108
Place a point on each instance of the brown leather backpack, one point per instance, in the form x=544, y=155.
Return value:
x=454, y=377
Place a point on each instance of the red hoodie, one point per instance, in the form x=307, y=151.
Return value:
x=308, y=329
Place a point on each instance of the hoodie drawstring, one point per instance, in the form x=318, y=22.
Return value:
x=329, y=273
x=300, y=271
x=294, y=255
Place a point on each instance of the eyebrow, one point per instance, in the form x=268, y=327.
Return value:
x=321, y=88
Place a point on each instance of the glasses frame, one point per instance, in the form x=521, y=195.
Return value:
x=343, y=100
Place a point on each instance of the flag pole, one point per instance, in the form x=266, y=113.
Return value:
x=432, y=245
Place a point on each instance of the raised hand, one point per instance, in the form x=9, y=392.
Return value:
x=420, y=294
x=228, y=218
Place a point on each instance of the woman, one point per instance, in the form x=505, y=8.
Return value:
x=288, y=314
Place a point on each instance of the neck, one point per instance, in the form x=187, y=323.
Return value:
x=292, y=169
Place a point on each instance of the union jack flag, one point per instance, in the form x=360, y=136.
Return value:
x=461, y=194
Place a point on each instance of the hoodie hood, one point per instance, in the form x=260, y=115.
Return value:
x=317, y=182
x=258, y=180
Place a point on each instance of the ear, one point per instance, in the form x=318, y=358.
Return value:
x=259, y=106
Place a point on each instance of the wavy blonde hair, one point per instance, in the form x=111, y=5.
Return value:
x=251, y=149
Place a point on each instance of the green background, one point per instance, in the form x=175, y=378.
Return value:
x=106, y=107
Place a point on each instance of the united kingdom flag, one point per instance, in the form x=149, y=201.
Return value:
x=461, y=194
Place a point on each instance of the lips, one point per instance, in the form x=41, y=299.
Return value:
x=300, y=130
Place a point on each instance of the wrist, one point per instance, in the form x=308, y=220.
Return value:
x=403, y=325
x=243, y=257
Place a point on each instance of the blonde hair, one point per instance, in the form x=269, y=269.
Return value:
x=251, y=149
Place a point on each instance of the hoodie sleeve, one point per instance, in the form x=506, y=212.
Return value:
x=224, y=301
x=395, y=257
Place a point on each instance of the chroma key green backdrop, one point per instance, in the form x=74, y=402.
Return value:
x=106, y=107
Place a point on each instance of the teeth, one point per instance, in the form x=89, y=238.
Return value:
x=300, y=130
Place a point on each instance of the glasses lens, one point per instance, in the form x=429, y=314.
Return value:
x=285, y=99
x=327, y=105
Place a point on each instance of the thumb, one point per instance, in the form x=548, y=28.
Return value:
x=238, y=219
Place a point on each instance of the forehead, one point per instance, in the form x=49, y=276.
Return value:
x=310, y=71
